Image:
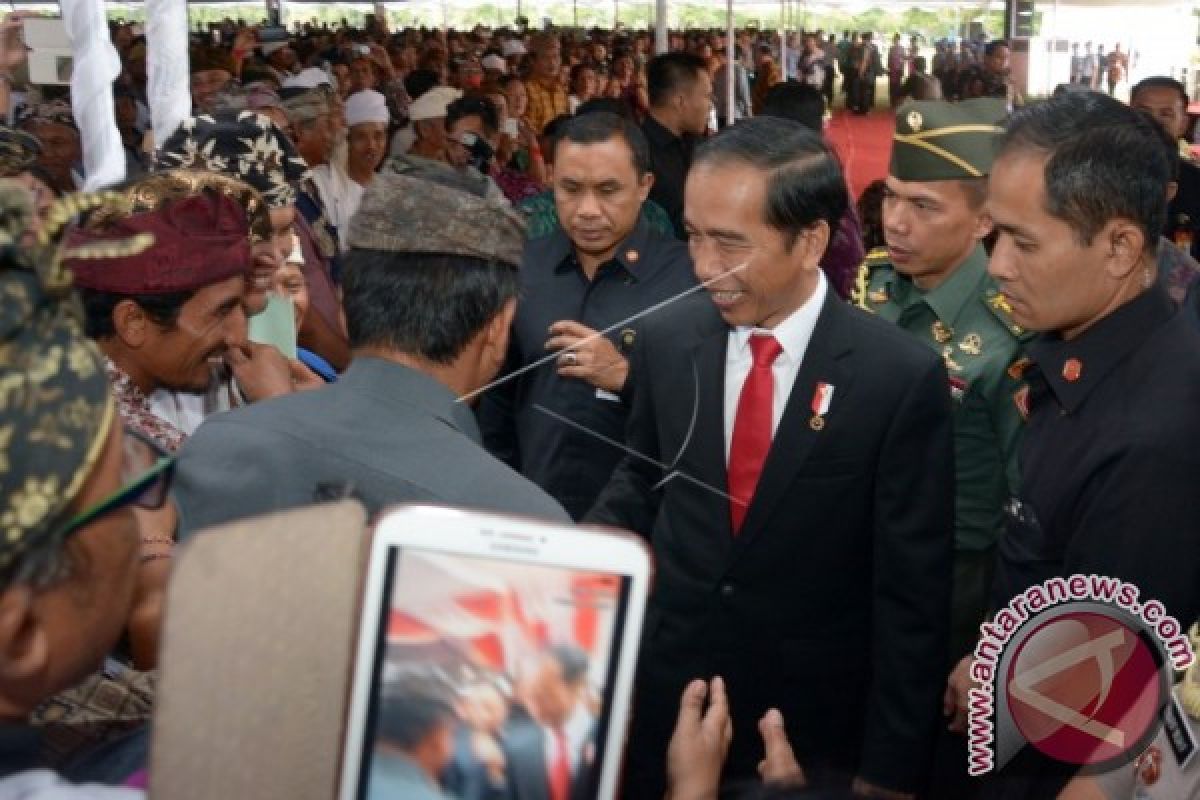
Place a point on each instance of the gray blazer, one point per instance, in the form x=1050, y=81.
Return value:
x=383, y=433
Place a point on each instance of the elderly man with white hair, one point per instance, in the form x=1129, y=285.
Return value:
x=367, y=121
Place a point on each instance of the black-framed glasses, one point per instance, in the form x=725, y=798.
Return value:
x=146, y=472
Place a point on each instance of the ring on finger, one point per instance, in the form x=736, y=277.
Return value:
x=570, y=359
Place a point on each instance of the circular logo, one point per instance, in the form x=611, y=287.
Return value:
x=1086, y=688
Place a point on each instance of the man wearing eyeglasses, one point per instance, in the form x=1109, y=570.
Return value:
x=70, y=579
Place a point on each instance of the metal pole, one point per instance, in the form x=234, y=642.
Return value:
x=660, y=26
x=731, y=57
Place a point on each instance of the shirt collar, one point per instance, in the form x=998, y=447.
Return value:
x=396, y=383
x=1092, y=355
x=631, y=253
x=949, y=298
x=657, y=133
x=794, y=332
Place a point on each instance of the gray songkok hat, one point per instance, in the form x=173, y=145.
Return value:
x=408, y=215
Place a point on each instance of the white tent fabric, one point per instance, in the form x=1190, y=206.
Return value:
x=96, y=66
x=167, y=86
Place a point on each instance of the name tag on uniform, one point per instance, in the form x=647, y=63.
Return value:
x=604, y=394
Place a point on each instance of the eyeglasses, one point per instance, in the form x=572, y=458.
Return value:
x=146, y=472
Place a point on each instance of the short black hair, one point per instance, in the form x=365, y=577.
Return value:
x=410, y=710
x=796, y=101
x=420, y=81
x=609, y=105
x=995, y=44
x=1160, y=82
x=1105, y=160
x=473, y=106
x=669, y=73
x=572, y=660
x=425, y=304
x=98, y=307
x=600, y=126
x=805, y=184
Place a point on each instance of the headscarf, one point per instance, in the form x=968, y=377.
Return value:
x=56, y=409
x=18, y=151
x=242, y=144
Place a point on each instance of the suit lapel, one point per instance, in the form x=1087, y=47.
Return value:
x=796, y=437
x=706, y=443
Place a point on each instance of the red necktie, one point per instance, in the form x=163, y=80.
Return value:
x=752, y=427
x=560, y=768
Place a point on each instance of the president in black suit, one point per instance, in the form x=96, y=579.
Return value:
x=792, y=466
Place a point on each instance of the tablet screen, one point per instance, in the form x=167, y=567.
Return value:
x=495, y=674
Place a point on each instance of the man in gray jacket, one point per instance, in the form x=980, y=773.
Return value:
x=430, y=289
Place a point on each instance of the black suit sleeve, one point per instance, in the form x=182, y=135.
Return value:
x=497, y=408
x=1142, y=524
x=913, y=545
x=629, y=500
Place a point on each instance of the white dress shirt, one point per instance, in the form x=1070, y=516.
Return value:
x=578, y=732
x=793, y=335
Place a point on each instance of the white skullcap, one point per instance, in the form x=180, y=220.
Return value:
x=495, y=62
x=270, y=47
x=309, y=78
x=432, y=104
x=366, y=106
x=514, y=47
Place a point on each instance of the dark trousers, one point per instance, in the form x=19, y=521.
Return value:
x=863, y=95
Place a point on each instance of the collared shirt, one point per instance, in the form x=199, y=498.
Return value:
x=137, y=413
x=1110, y=463
x=573, y=460
x=793, y=335
x=394, y=775
x=670, y=160
x=545, y=103
x=578, y=732
x=964, y=320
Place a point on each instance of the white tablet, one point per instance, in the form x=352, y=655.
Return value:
x=494, y=653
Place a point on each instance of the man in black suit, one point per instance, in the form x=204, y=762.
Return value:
x=793, y=471
x=549, y=754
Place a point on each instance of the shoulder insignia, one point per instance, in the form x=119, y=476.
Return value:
x=998, y=304
x=860, y=294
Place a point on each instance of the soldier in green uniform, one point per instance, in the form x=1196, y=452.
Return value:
x=932, y=280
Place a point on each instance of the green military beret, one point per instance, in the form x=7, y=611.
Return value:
x=940, y=141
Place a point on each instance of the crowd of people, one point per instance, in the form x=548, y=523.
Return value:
x=541, y=273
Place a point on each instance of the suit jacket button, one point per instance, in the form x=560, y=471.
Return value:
x=727, y=590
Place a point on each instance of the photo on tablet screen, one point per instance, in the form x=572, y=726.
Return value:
x=497, y=672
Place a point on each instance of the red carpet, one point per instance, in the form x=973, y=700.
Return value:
x=864, y=143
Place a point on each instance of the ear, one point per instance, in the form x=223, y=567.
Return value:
x=131, y=324
x=24, y=645
x=1172, y=190
x=644, y=186
x=812, y=243
x=983, y=225
x=1124, y=246
x=495, y=335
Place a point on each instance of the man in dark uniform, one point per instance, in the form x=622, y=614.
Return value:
x=936, y=287
x=1166, y=100
x=1110, y=460
x=992, y=78
x=560, y=421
